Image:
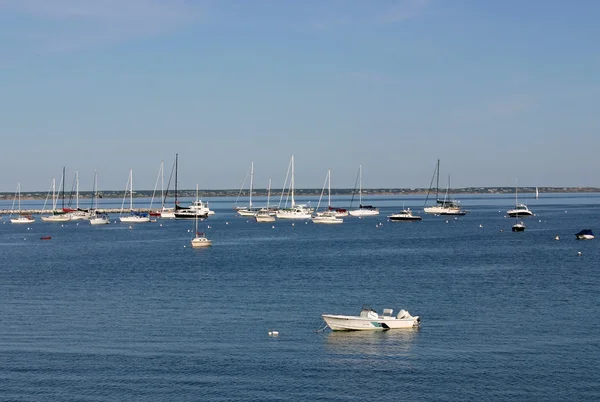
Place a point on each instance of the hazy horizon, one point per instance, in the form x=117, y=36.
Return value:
x=498, y=91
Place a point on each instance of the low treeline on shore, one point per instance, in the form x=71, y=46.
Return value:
x=33, y=195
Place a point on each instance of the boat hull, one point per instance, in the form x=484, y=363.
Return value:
x=56, y=218
x=327, y=220
x=519, y=214
x=134, y=219
x=444, y=211
x=201, y=242
x=22, y=220
x=353, y=323
x=264, y=218
x=364, y=212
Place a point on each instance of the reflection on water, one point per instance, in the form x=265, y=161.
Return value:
x=373, y=343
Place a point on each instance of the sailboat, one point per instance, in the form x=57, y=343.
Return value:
x=266, y=214
x=520, y=209
x=77, y=214
x=97, y=218
x=200, y=239
x=169, y=213
x=249, y=210
x=133, y=217
x=329, y=216
x=57, y=217
x=20, y=218
x=363, y=210
x=447, y=206
x=296, y=211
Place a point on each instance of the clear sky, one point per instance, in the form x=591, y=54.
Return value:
x=497, y=90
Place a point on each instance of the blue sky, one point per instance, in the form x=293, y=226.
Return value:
x=497, y=90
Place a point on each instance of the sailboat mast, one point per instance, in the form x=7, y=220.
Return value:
x=77, y=189
x=437, y=185
x=328, y=188
x=292, y=183
x=360, y=186
x=63, y=189
x=176, y=163
x=251, y=183
x=268, y=193
x=131, y=189
x=162, y=182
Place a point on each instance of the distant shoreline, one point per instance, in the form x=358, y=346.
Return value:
x=37, y=195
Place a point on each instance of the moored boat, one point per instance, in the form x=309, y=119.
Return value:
x=369, y=320
x=404, y=215
x=518, y=227
x=585, y=234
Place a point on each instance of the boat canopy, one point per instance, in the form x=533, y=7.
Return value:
x=584, y=232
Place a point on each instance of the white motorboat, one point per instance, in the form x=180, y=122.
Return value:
x=369, y=320
x=21, y=218
x=404, y=215
x=447, y=206
x=197, y=209
x=520, y=210
x=133, y=217
x=585, y=234
x=363, y=210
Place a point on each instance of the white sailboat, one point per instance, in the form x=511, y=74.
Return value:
x=78, y=214
x=56, y=217
x=20, y=218
x=520, y=210
x=296, y=211
x=200, y=240
x=363, y=210
x=265, y=214
x=329, y=216
x=97, y=218
x=166, y=212
x=447, y=206
x=133, y=217
x=249, y=210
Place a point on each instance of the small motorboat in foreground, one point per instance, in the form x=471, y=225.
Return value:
x=585, y=234
x=369, y=320
x=404, y=215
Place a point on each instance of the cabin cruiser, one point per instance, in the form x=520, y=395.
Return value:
x=197, y=209
x=404, y=215
x=520, y=210
x=369, y=320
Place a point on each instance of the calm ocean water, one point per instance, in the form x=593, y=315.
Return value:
x=111, y=313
